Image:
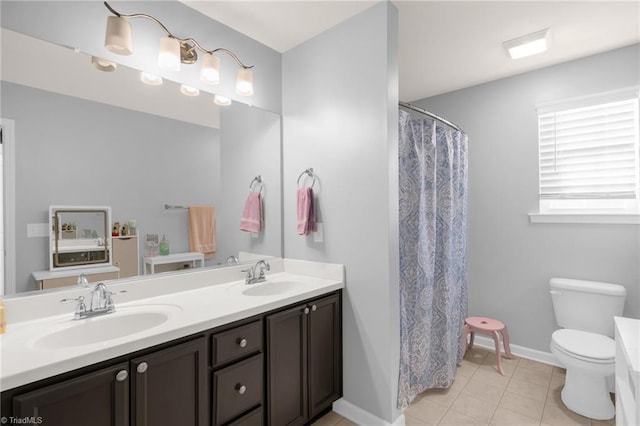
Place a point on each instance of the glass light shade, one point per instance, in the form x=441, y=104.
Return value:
x=150, y=79
x=118, y=36
x=189, y=91
x=103, y=64
x=221, y=100
x=210, y=71
x=244, y=82
x=169, y=55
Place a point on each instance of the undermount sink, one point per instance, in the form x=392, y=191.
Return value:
x=104, y=328
x=269, y=288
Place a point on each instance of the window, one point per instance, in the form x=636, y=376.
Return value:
x=588, y=154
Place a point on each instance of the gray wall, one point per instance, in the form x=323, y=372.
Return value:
x=511, y=259
x=75, y=152
x=340, y=117
x=251, y=146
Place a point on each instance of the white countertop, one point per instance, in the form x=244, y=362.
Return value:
x=629, y=330
x=204, y=304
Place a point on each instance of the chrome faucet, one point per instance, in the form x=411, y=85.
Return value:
x=231, y=260
x=101, y=303
x=255, y=274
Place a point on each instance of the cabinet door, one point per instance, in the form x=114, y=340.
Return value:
x=287, y=367
x=98, y=399
x=169, y=387
x=125, y=255
x=325, y=353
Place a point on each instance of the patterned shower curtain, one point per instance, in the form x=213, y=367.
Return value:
x=433, y=285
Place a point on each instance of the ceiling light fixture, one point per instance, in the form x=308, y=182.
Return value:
x=150, y=79
x=175, y=50
x=530, y=44
x=103, y=64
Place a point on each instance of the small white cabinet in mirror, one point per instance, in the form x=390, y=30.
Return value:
x=80, y=237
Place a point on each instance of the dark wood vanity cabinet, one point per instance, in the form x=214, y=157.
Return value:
x=99, y=399
x=168, y=386
x=304, y=364
x=279, y=368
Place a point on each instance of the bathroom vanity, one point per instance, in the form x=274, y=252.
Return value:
x=219, y=352
x=627, y=371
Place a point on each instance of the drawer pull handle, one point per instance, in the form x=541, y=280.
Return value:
x=242, y=343
x=241, y=389
x=142, y=367
x=314, y=308
x=306, y=311
x=122, y=375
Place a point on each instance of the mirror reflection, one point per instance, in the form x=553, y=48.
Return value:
x=79, y=236
x=87, y=137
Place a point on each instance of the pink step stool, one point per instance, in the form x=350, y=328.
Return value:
x=490, y=327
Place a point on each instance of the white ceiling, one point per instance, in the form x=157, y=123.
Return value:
x=446, y=45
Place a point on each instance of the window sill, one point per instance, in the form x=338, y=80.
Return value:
x=591, y=218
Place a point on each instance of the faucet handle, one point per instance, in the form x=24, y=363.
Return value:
x=81, y=308
x=109, y=303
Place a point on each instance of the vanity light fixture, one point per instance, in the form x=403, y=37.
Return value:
x=150, y=79
x=189, y=91
x=221, y=100
x=175, y=51
x=103, y=64
x=530, y=44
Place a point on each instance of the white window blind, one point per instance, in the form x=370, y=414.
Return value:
x=589, y=152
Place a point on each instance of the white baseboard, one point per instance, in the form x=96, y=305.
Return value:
x=521, y=351
x=362, y=417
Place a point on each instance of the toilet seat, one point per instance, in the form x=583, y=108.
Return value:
x=589, y=347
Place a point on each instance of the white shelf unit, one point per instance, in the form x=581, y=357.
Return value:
x=627, y=371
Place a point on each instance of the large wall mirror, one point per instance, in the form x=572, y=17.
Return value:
x=86, y=137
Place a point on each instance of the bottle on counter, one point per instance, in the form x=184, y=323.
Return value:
x=164, y=246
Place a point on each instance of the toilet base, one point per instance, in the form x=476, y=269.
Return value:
x=588, y=395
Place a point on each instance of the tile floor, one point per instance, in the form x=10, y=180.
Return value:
x=528, y=394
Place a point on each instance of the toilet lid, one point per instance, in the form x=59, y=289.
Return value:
x=587, y=345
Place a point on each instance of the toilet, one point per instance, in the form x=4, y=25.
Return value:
x=585, y=345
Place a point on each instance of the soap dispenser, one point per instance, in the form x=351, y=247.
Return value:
x=164, y=246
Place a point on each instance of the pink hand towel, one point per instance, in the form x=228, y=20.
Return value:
x=202, y=230
x=306, y=211
x=251, y=220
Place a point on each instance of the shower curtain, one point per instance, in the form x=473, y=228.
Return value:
x=433, y=286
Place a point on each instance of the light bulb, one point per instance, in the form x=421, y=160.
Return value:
x=150, y=79
x=210, y=71
x=103, y=64
x=221, y=100
x=189, y=91
x=169, y=55
x=244, y=82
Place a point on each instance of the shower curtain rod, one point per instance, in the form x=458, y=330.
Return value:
x=432, y=115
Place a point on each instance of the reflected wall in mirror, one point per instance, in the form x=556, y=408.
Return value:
x=71, y=149
x=79, y=237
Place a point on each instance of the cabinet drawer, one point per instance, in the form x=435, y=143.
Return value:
x=235, y=343
x=237, y=388
x=254, y=418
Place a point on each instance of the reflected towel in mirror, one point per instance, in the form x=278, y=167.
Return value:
x=251, y=220
x=202, y=230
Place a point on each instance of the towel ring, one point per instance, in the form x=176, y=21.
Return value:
x=254, y=184
x=308, y=172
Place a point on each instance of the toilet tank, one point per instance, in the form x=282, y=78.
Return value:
x=586, y=305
